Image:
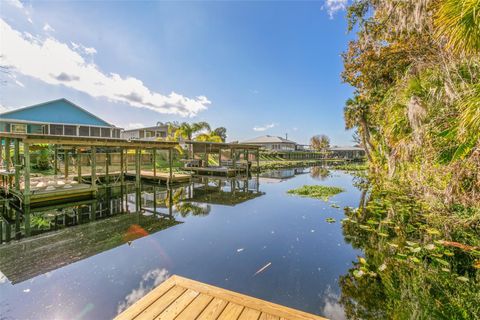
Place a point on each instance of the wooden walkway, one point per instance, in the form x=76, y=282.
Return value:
x=181, y=298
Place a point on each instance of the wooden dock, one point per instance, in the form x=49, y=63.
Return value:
x=161, y=176
x=217, y=171
x=182, y=298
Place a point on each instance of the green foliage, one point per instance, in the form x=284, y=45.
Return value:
x=43, y=159
x=316, y=192
x=415, y=265
x=416, y=107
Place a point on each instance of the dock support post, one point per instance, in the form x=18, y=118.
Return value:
x=248, y=167
x=79, y=164
x=154, y=162
x=65, y=153
x=1, y=160
x=170, y=164
x=26, y=173
x=137, y=168
x=55, y=160
x=107, y=171
x=122, y=167
x=16, y=163
x=205, y=157
x=258, y=160
x=7, y=154
x=94, y=168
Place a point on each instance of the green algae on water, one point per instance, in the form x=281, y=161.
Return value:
x=316, y=192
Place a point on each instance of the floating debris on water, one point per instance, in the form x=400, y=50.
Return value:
x=262, y=268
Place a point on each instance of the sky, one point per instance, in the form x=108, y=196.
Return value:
x=255, y=68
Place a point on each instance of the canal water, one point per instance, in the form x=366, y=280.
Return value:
x=93, y=259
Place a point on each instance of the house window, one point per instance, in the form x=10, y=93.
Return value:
x=35, y=128
x=70, y=130
x=84, y=131
x=105, y=132
x=56, y=129
x=116, y=133
x=19, y=128
x=94, y=132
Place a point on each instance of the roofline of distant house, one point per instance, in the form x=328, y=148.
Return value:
x=146, y=128
x=283, y=140
x=55, y=100
x=57, y=123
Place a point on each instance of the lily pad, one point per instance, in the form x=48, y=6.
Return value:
x=316, y=191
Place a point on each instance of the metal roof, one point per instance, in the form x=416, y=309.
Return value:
x=60, y=111
x=162, y=127
x=268, y=139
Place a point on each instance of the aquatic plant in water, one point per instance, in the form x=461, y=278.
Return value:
x=316, y=191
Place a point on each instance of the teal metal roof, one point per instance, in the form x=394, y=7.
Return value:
x=56, y=111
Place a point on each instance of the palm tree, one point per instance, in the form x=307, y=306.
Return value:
x=209, y=137
x=459, y=22
x=221, y=132
x=186, y=130
x=355, y=113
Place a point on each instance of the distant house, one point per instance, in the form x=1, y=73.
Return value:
x=58, y=117
x=273, y=143
x=347, y=152
x=148, y=133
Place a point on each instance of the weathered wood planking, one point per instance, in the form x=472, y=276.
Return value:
x=182, y=298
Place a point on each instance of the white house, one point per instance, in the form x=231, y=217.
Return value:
x=273, y=143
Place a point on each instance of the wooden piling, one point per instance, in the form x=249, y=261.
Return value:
x=26, y=173
x=16, y=163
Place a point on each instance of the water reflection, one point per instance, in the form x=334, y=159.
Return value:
x=319, y=172
x=410, y=268
x=97, y=258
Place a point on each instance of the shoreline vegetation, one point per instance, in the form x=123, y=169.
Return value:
x=415, y=68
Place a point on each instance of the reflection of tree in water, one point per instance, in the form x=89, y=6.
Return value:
x=410, y=271
x=193, y=208
x=186, y=208
x=320, y=173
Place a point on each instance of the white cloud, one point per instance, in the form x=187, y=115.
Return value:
x=48, y=28
x=265, y=127
x=56, y=63
x=150, y=280
x=82, y=49
x=15, y=3
x=333, y=6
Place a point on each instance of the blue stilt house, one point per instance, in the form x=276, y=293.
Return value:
x=58, y=117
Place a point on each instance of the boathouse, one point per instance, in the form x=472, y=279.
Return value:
x=59, y=117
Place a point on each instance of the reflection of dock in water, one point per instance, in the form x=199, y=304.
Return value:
x=223, y=191
x=39, y=254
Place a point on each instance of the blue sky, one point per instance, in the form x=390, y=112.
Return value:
x=243, y=65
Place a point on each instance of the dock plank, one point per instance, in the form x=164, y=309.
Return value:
x=231, y=312
x=249, y=314
x=178, y=305
x=213, y=310
x=182, y=298
x=195, y=308
x=266, y=316
x=147, y=300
